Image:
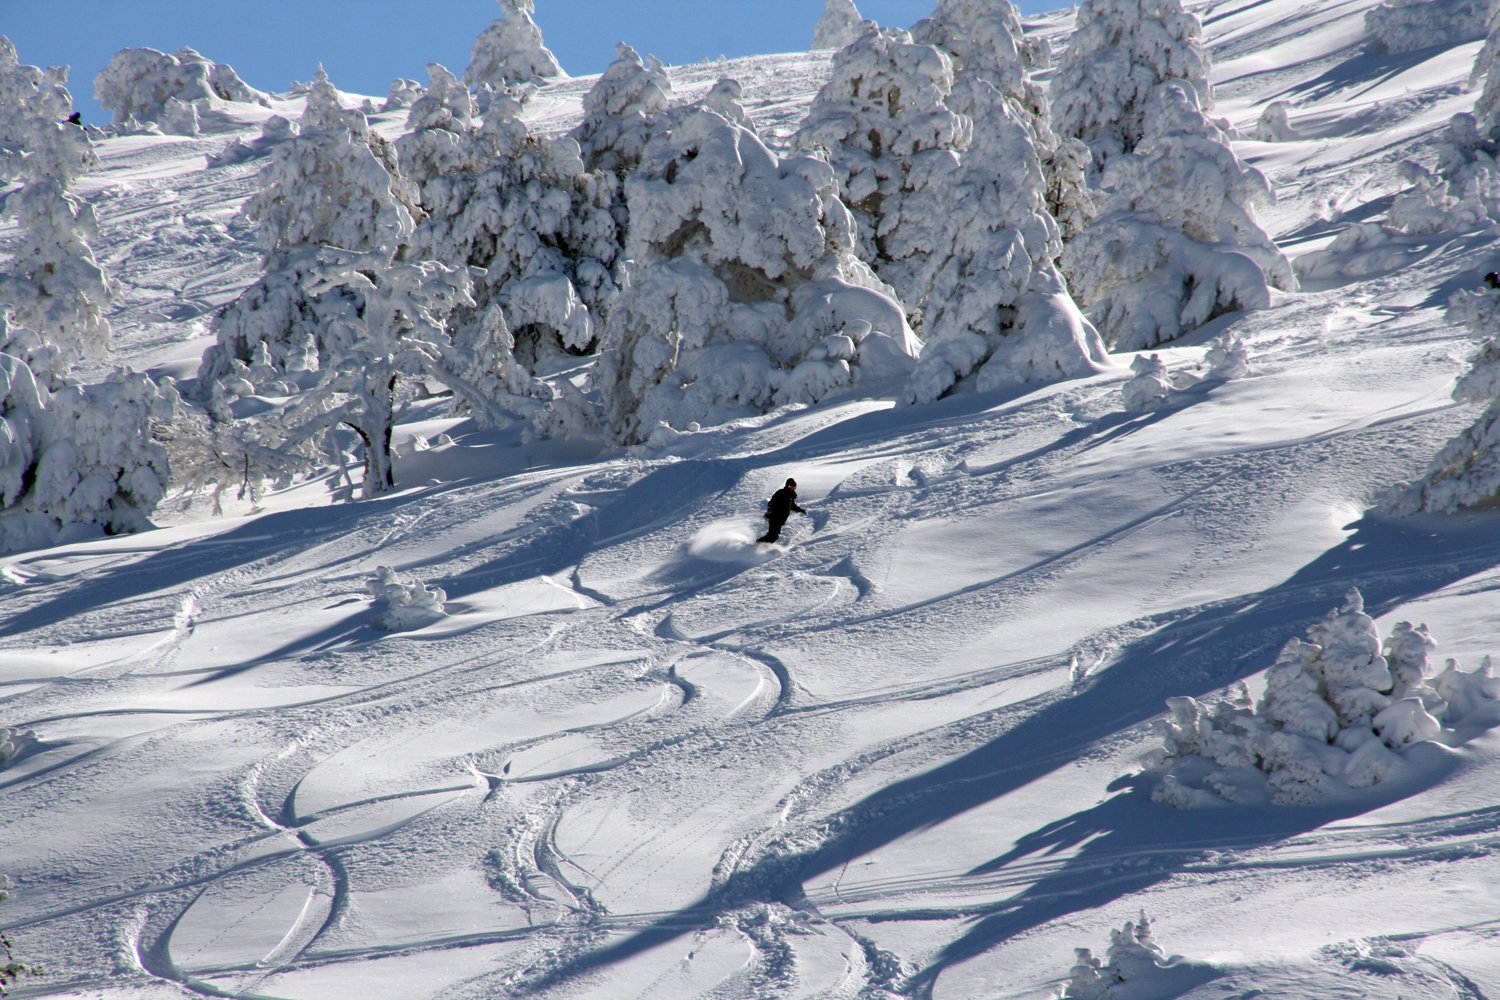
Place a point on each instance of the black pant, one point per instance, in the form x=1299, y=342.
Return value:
x=774, y=532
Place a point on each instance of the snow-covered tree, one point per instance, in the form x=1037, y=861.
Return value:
x=142, y=83
x=1406, y=25
x=745, y=292
x=53, y=291
x=523, y=209
x=839, y=25
x=510, y=50
x=956, y=225
x=395, y=326
x=1119, y=53
x=79, y=461
x=1149, y=387
x=1177, y=243
x=1467, y=469
x=621, y=111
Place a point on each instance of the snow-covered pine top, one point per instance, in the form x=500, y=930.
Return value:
x=139, y=82
x=510, y=50
x=620, y=110
x=336, y=183
x=1119, y=52
x=839, y=25
x=883, y=119
x=34, y=141
x=987, y=43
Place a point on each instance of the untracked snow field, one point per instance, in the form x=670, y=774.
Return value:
x=896, y=755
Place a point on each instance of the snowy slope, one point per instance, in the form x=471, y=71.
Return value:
x=898, y=756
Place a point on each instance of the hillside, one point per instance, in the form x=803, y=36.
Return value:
x=898, y=756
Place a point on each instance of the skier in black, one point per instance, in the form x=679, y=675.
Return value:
x=779, y=508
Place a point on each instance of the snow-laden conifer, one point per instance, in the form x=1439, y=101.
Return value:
x=1177, y=243
x=524, y=210
x=1119, y=53
x=335, y=183
x=1132, y=957
x=510, y=50
x=956, y=224
x=722, y=317
x=141, y=83
x=986, y=43
x=839, y=25
x=621, y=111
x=53, y=291
x=1275, y=125
x=1467, y=469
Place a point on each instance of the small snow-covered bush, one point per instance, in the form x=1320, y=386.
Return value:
x=403, y=94
x=1406, y=25
x=1133, y=957
x=406, y=605
x=1274, y=124
x=1227, y=358
x=14, y=743
x=1149, y=387
x=745, y=292
x=510, y=50
x=839, y=25
x=1336, y=714
x=143, y=82
x=1178, y=243
x=1119, y=54
x=1467, y=469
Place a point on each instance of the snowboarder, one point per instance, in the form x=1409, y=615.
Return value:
x=779, y=508
x=1492, y=280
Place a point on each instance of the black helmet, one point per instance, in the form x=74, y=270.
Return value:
x=791, y=483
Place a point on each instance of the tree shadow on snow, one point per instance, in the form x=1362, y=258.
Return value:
x=1392, y=562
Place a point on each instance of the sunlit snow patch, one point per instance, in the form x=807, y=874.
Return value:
x=730, y=542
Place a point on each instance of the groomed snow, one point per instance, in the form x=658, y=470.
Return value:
x=617, y=751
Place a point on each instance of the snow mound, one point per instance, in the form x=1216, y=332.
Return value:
x=1407, y=25
x=1338, y=713
x=153, y=86
x=407, y=605
x=839, y=25
x=729, y=542
x=1134, y=968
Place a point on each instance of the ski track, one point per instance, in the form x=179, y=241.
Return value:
x=796, y=760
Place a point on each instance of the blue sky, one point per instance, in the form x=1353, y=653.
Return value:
x=366, y=45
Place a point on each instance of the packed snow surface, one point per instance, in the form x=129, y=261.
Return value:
x=613, y=748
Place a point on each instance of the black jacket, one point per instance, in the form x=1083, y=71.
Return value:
x=781, y=504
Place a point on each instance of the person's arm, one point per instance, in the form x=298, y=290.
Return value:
x=797, y=509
